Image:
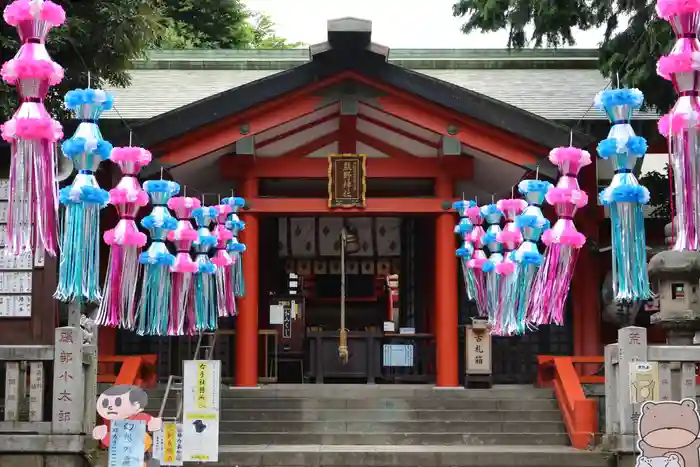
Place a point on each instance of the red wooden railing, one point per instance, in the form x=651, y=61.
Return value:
x=580, y=414
x=137, y=370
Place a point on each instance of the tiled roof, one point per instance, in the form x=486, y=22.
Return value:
x=557, y=85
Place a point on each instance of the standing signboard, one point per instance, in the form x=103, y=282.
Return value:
x=200, y=430
x=478, y=353
x=126, y=445
x=168, y=444
x=644, y=382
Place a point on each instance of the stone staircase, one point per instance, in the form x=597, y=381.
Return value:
x=407, y=426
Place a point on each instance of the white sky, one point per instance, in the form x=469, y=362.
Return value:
x=399, y=24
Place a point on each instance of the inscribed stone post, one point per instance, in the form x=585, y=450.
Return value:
x=11, y=391
x=632, y=347
x=612, y=424
x=68, y=382
x=36, y=391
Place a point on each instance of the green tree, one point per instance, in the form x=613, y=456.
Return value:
x=204, y=24
x=660, y=192
x=105, y=36
x=629, y=54
x=102, y=36
x=262, y=35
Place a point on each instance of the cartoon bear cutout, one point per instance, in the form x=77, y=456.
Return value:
x=672, y=460
x=669, y=430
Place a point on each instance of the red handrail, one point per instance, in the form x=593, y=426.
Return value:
x=580, y=414
x=137, y=370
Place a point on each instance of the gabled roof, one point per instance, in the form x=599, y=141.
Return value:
x=352, y=50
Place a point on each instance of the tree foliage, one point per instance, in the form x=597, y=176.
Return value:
x=629, y=53
x=660, y=193
x=105, y=36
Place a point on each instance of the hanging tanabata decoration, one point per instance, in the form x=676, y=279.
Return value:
x=463, y=230
x=680, y=125
x=154, y=304
x=528, y=258
x=79, y=265
x=203, y=297
x=510, y=238
x=563, y=241
x=478, y=258
x=234, y=247
x=183, y=268
x=625, y=196
x=118, y=306
x=32, y=133
x=493, y=217
x=225, y=298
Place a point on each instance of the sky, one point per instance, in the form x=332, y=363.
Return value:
x=423, y=24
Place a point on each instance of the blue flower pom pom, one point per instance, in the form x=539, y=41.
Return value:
x=78, y=97
x=77, y=146
x=151, y=222
x=199, y=214
x=161, y=186
x=234, y=201
x=490, y=209
x=537, y=222
x=615, y=97
x=488, y=266
x=84, y=195
x=635, y=194
x=159, y=259
x=489, y=237
x=531, y=258
x=637, y=145
x=207, y=268
x=607, y=148
x=529, y=186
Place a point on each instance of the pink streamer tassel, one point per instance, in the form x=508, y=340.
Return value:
x=118, y=307
x=551, y=287
x=230, y=296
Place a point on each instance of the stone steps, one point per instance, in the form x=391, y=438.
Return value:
x=395, y=439
x=383, y=415
x=398, y=426
x=415, y=456
x=373, y=426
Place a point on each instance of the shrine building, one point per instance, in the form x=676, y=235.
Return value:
x=433, y=126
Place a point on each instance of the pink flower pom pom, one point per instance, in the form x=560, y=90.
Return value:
x=223, y=234
x=222, y=259
x=505, y=268
x=182, y=202
x=127, y=238
x=578, y=198
x=43, y=70
x=673, y=123
x=668, y=8
x=223, y=211
x=476, y=263
x=130, y=154
x=184, y=267
x=668, y=65
x=31, y=128
x=509, y=236
x=23, y=10
x=513, y=204
x=186, y=234
x=569, y=154
x=122, y=196
x=474, y=212
x=569, y=237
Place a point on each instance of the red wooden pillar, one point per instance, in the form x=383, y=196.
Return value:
x=585, y=293
x=247, y=321
x=446, y=293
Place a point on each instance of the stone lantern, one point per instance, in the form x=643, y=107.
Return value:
x=675, y=276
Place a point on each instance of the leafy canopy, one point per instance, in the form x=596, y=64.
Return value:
x=104, y=36
x=629, y=53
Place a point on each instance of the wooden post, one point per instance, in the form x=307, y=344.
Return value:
x=68, y=404
x=90, y=386
x=632, y=347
